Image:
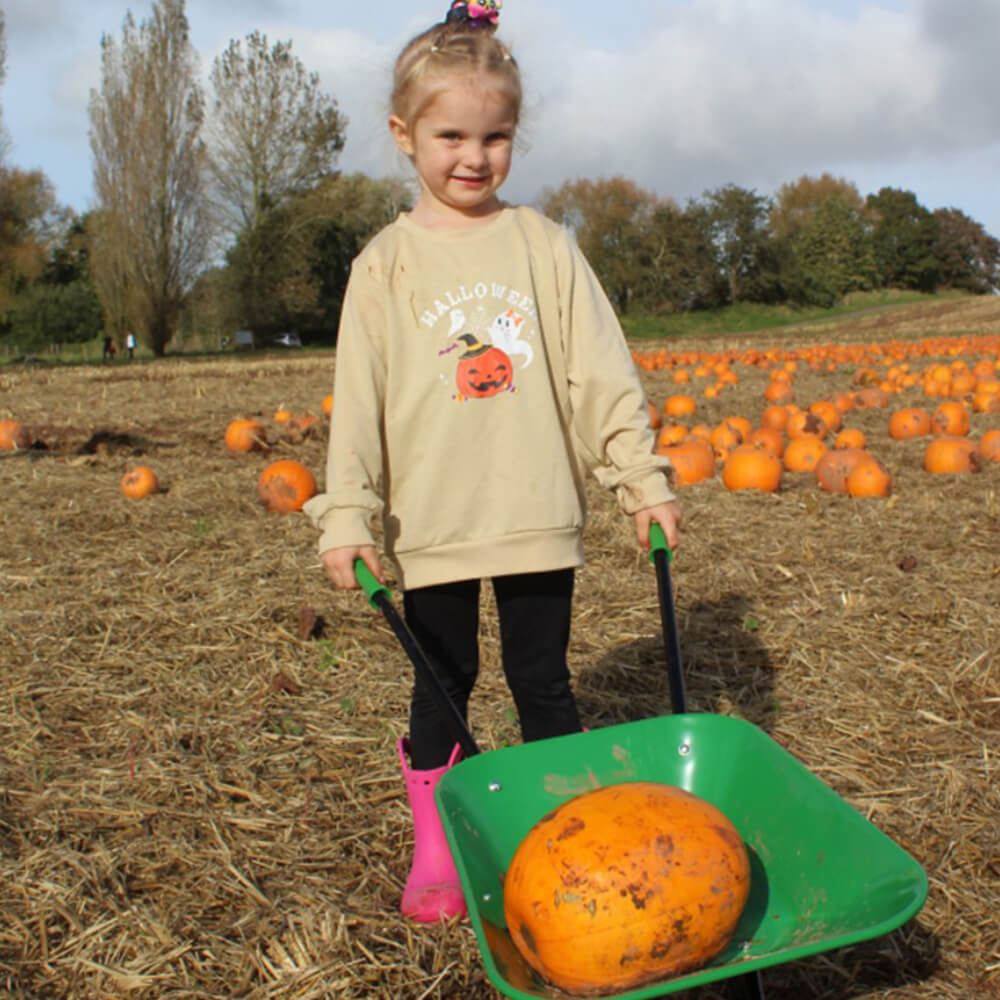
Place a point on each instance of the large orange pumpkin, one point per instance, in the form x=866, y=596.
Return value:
x=14, y=435
x=625, y=885
x=749, y=467
x=948, y=455
x=246, y=435
x=284, y=486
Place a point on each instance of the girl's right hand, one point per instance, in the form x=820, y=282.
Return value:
x=339, y=564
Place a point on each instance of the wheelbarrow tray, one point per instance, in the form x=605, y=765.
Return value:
x=822, y=876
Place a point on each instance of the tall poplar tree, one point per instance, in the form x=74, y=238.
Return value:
x=152, y=227
x=274, y=136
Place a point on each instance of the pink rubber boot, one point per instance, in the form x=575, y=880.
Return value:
x=433, y=891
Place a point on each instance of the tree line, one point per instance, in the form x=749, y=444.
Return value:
x=222, y=210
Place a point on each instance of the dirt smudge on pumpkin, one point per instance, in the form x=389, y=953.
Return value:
x=572, y=828
x=664, y=845
x=528, y=938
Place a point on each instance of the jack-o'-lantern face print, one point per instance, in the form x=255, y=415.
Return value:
x=483, y=370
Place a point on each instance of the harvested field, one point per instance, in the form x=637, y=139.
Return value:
x=199, y=796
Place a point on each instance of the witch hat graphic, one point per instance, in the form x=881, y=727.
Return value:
x=475, y=347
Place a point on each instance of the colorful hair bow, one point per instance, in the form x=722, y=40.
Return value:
x=475, y=13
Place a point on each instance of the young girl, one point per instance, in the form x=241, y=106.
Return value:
x=481, y=373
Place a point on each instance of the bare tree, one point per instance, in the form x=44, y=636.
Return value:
x=152, y=227
x=273, y=133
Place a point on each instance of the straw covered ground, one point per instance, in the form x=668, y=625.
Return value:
x=199, y=795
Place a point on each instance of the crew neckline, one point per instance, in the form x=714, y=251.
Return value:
x=501, y=219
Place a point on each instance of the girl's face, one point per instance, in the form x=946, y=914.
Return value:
x=461, y=147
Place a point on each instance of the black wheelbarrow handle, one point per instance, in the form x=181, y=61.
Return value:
x=661, y=557
x=379, y=597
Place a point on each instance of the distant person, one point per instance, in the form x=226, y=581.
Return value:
x=481, y=372
x=130, y=344
x=108, y=349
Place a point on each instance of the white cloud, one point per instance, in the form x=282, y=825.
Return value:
x=681, y=96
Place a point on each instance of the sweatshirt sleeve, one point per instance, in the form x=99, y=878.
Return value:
x=344, y=513
x=610, y=414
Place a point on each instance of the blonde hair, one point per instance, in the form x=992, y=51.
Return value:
x=446, y=50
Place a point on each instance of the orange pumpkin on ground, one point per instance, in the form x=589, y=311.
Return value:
x=655, y=417
x=909, y=422
x=328, y=404
x=828, y=413
x=14, y=435
x=951, y=418
x=281, y=415
x=299, y=426
x=670, y=434
x=140, y=481
x=725, y=438
x=774, y=416
x=780, y=393
x=986, y=401
x=692, y=460
x=625, y=885
x=948, y=455
x=741, y=425
x=872, y=398
x=835, y=465
x=751, y=468
x=246, y=435
x=679, y=406
x=803, y=453
x=803, y=422
x=869, y=478
x=768, y=438
x=850, y=437
x=284, y=486
x=989, y=446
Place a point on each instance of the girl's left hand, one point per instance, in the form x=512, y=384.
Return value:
x=667, y=516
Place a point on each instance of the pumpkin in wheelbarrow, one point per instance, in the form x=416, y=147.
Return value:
x=624, y=886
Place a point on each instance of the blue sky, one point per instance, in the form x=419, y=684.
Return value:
x=681, y=96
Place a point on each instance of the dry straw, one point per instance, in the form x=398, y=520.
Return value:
x=200, y=796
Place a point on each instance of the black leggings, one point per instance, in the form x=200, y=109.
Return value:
x=534, y=612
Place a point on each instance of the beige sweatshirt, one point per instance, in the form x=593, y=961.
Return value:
x=480, y=374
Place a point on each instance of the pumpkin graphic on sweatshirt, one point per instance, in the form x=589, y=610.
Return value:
x=483, y=370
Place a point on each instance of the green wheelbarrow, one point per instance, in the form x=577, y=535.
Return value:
x=822, y=876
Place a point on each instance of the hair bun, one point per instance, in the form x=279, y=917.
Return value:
x=474, y=13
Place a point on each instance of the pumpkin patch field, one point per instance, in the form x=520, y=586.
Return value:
x=199, y=790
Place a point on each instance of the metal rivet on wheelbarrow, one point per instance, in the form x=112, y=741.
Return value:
x=495, y=786
x=684, y=749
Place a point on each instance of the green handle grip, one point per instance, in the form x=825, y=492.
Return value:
x=368, y=582
x=658, y=543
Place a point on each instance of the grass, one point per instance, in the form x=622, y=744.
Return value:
x=749, y=317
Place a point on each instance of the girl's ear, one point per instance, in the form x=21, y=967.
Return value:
x=401, y=134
